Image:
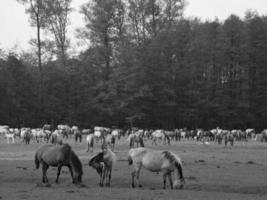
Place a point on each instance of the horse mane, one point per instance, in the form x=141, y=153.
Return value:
x=76, y=162
x=97, y=158
x=172, y=157
x=177, y=163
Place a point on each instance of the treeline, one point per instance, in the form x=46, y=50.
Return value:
x=148, y=66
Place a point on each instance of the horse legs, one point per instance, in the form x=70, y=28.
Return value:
x=71, y=172
x=136, y=173
x=103, y=175
x=164, y=180
x=58, y=171
x=108, y=175
x=170, y=180
x=88, y=146
x=44, y=169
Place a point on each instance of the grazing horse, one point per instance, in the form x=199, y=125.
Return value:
x=90, y=142
x=156, y=161
x=103, y=163
x=59, y=156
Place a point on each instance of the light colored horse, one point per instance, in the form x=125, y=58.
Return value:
x=103, y=163
x=65, y=129
x=57, y=137
x=38, y=134
x=156, y=161
x=116, y=133
x=134, y=139
x=4, y=129
x=110, y=141
x=100, y=132
x=10, y=136
x=159, y=135
x=90, y=142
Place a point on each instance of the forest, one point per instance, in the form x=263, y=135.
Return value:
x=145, y=65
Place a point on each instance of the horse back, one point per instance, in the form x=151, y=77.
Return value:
x=53, y=155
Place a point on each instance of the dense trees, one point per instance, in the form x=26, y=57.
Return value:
x=145, y=64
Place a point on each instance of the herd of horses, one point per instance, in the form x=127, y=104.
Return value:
x=136, y=137
x=56, y=153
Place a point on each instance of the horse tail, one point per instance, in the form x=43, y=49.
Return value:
x=37, y=162
x=130, y=160
x=178, y=165
x=180, y=170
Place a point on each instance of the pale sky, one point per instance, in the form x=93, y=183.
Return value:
x=15, y=28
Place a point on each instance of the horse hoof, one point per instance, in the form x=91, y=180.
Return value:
x=133, y=186
x=140, y=185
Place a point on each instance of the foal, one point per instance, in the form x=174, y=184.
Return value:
x=103, y=163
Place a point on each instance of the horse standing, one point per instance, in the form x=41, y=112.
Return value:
x=229, y=138
x=90, y=142
x=160, y=135
x=10, y=135
x=103, y=163
x=57, y=137
x=59, y=156
x=110, y=140
x=156, y=161
x=77, y=134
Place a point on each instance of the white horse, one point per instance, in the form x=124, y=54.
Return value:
x=159, y=135
x=100, y=132
x=156, y=161
x=90, y=142
x=4, y=129
x=103, y=163
x=110, y=141
x=10, y=135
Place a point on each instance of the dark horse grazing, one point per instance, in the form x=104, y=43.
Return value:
x=59, y=156
x=103, y=163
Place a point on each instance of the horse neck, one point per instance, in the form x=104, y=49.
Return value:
x=74, y=163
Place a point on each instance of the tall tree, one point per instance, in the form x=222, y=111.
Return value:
x=35, y=8
x=56, y=20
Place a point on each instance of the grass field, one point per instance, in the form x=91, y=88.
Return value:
x=211, y=172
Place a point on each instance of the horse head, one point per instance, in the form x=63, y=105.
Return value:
x=96, y=162
x=77, y=166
